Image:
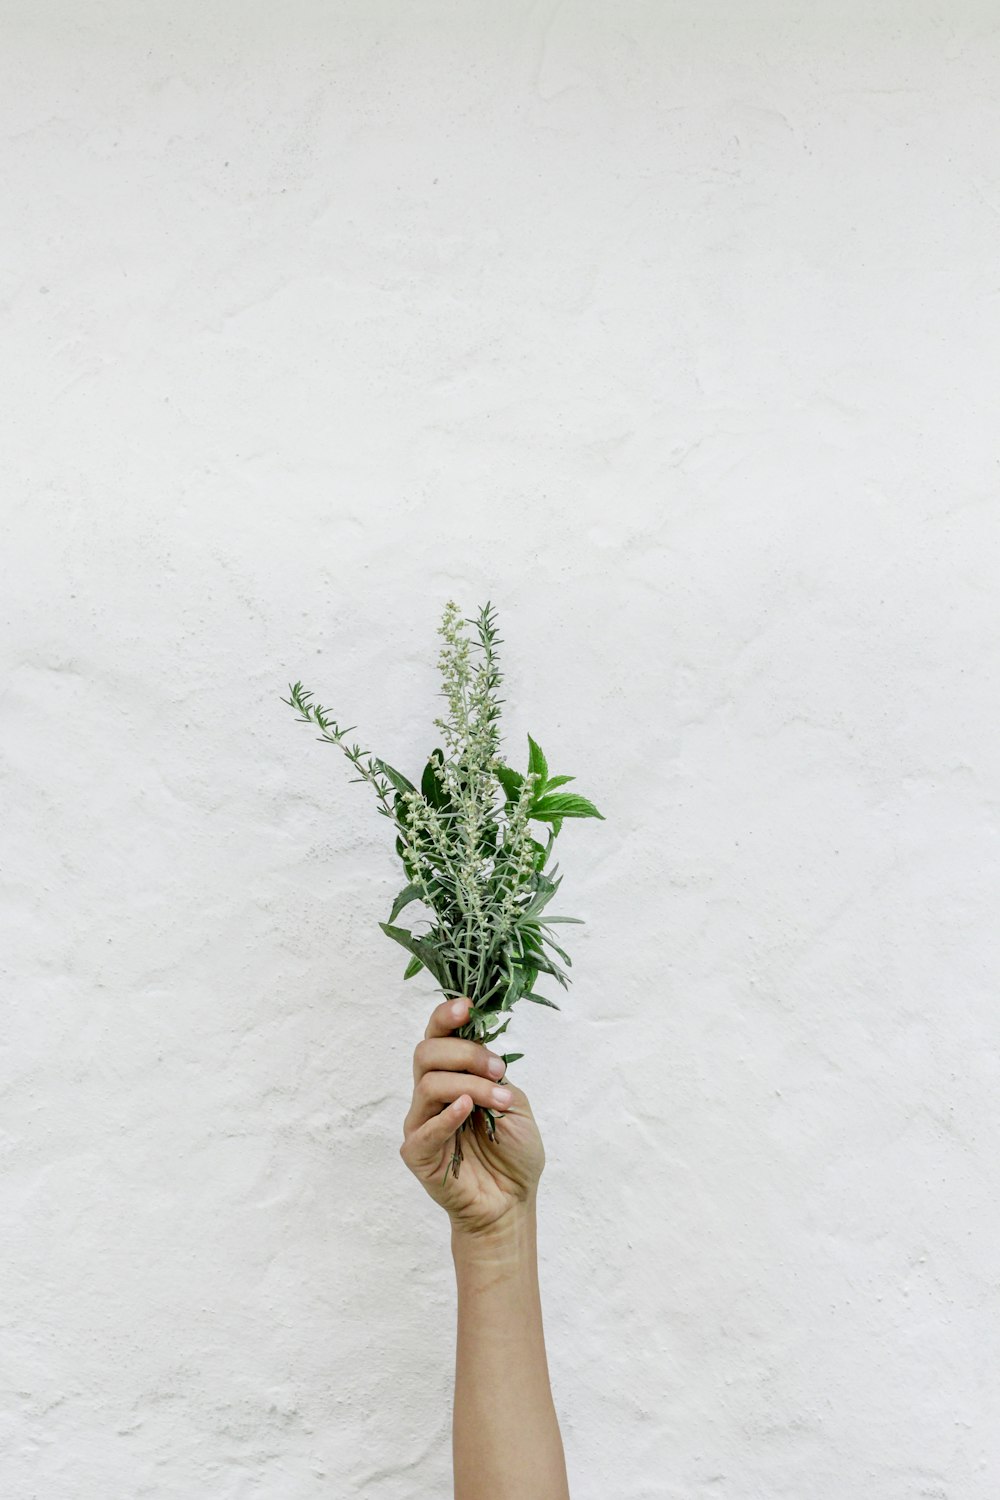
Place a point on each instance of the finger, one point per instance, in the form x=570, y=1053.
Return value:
x=422, y=1148
x=452, y=1053
x=446, y=1017
x=436, y=1089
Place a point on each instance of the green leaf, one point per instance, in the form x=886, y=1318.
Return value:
x=431, y=782
x=510, y=1057
x=407, y=894
x=564, y=805
x=413, y=967
x=549, y=966
x=440, y=897
x=557, y=781
x=541, y=854
x=562, y=954
x=511, y=781
x=549, y=920
x=420, y=948
x=397, y=778
x=529, y=972
x=545, y=889
x=518, y=982
x=542, y=964
x=537, y=763
x=401, y=850
x=541, y=1000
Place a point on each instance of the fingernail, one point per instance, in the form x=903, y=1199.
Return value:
x=502, y=1096
x=458, y=1008
x=496, y=1067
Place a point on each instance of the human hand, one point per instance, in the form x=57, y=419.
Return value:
x=497, y=1177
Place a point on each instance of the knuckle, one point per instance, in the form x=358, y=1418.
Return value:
x=474, y=1057
x=420, y=1053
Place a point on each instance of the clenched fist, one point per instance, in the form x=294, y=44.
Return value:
x=450, y=1076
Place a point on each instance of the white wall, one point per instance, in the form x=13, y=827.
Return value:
x=673, y=329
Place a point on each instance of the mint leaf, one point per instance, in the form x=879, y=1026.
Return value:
x=564, y=805
x=537, y=763
x=511, y=782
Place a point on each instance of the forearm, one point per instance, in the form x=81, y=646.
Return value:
x=505, y=1433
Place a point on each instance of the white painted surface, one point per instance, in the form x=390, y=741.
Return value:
x=673, y=329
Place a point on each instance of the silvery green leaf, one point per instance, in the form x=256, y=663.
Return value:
x=545, y=889
x=541, y=1000
x=564, y=956
x=545, y=965
x=397, y=778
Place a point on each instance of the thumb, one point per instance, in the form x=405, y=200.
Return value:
x=422, y=1151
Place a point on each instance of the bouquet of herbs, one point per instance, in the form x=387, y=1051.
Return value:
x=466, y=839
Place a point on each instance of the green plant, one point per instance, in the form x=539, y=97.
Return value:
x=465, y=840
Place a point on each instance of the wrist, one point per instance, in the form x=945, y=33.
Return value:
x=510, y=1239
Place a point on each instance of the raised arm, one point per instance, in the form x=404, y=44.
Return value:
x=505, y=1433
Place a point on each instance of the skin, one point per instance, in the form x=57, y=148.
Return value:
x=505, y=1435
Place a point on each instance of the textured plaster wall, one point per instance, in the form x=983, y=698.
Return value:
x=673, y=329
